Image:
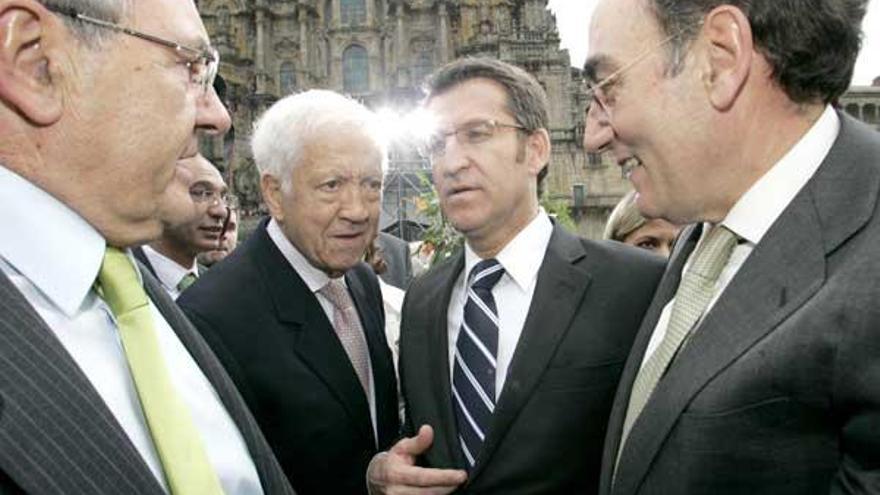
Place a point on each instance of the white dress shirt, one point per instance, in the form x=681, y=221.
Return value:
x=315, y=280
x=53, y=259
x=521, y=258
x=168, y=271
x=756, y=210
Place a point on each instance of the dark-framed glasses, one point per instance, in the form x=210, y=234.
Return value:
x=595, y=92
x=201, y=62
x=467, y=134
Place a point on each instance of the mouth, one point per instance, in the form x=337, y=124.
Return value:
x=629, y=165
x=214, y=232
x=458, y=190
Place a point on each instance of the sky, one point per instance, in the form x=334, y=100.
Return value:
x=573, y=19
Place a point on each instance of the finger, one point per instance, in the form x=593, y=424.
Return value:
x=414, y=446
x=414, y=476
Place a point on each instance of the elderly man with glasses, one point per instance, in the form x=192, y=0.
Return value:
x=193, y=215
x=105, y=387
x=510, y=350
x=756, y=369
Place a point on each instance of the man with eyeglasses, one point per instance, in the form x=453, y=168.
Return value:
x=757, y=367
x=105, y=387
x=510, y=350
x=193, y=214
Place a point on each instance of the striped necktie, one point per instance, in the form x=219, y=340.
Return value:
x=476, y=348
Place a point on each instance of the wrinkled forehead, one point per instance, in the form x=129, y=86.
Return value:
x=619, y=31
x=176, y=20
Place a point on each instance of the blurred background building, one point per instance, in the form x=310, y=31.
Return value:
x=380, y=51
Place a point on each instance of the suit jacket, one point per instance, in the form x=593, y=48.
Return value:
x=395, y=252
x=57, y=435
x=270, y=331
x=549, y=424
x=778, y=390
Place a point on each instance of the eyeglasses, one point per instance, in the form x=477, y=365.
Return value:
x=202, y=194
x=202, y=63
x=469, y=133
x=596, y=92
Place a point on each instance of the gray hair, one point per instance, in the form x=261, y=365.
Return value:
x=283, y=132
x=624, y=219
x=106, y=10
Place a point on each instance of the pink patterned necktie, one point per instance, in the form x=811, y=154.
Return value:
x=348, y=329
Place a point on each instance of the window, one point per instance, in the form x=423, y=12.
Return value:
x=578, y=192
x=355, y=70
x=353, y=11
x=594, y=159
x=328, y=13
x=287, y=78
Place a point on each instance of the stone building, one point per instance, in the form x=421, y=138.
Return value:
x=380, y=51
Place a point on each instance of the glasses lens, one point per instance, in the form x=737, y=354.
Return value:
x=477, y=132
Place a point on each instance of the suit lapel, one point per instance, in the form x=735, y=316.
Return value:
x=784, y=270
x=562, y=277
x=665, y=291
x=311, y=334
x=56, y=433
x=430, y=312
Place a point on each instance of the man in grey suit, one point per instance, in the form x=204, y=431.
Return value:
x=395, y=254
x=510, y=351
x=99, y=100
x=756, y=369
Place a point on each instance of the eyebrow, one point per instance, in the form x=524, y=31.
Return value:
x=598, y=64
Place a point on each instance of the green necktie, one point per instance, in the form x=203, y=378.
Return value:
x=186, y=281
x=177, y=441
x=694, y=293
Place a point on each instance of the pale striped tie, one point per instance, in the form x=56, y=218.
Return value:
x=476, y=348
x=694, y=293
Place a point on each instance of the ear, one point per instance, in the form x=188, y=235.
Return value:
x=730, y=53
x=272, y=195
x=26, y=84
x=538, y=144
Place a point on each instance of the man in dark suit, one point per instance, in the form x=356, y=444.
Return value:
x=756, y=367
x=294, y=313
x=193, y=212
x=105, y=387
x=511, y=350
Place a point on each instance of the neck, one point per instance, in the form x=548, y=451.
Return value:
x=177, y=254
x=488, y=245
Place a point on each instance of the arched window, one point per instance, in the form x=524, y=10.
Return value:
x=287, y=78
x=353, y=11
x=853, y=110
x=869, y=113
x=355, y=70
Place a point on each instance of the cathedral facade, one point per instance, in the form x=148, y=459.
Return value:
x=380, y=52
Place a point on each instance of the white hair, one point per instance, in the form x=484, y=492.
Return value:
x=283, y=132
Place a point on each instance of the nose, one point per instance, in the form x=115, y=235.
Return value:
x=598, y=131
x=218, y=209
x=211, y=114
x=453, y=159
x=356, y=206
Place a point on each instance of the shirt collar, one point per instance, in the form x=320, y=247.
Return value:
x=756, y=211
x=523, y=255
x=314, y=278
x=168, y=271
x=47, y=242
